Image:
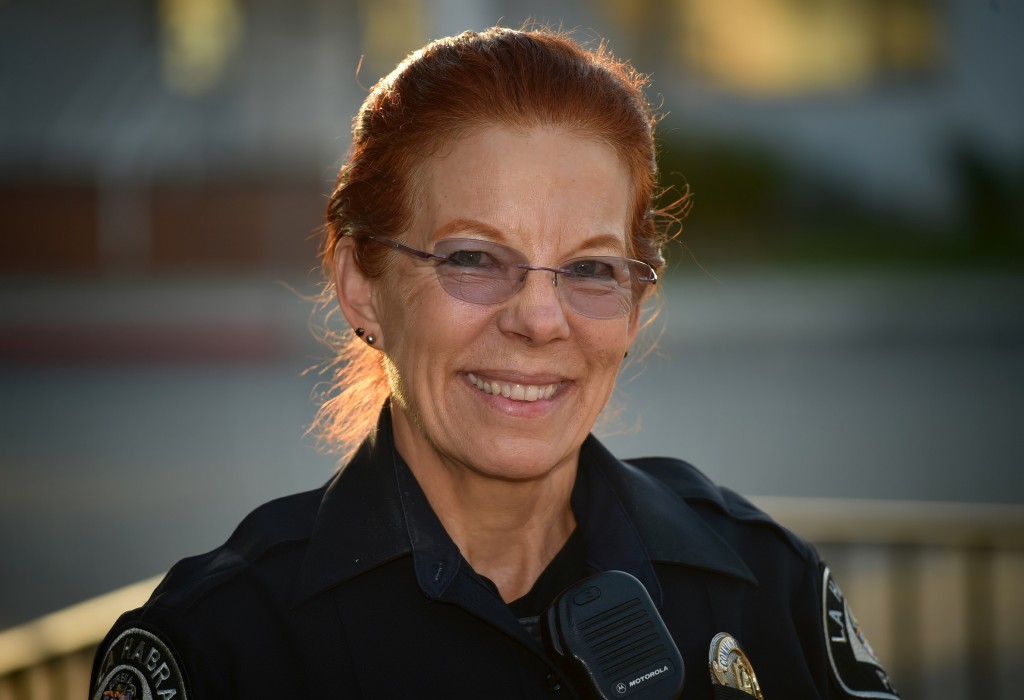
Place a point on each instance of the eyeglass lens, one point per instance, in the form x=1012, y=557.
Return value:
x=482, y=272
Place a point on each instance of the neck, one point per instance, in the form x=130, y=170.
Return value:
x=508, y=530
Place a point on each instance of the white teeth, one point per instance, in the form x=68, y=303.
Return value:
x=516, y=392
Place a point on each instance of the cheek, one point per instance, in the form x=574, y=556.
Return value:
x=400, y=301
x=424, y=326
x=605, y=346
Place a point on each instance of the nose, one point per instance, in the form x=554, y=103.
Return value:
x=535, y=312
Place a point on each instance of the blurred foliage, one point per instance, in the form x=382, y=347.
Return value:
x=993, y=195
x=750, y=206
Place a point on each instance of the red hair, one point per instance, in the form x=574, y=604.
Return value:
x=499, y=77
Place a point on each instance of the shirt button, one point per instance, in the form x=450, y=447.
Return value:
x=552, y=682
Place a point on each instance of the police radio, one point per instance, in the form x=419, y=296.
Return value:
x=606, y=634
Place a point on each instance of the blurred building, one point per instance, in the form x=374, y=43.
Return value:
x=180, y=133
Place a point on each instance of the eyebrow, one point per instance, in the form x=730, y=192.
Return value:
x=605, y=240
x=469, y=226
x=491, y=233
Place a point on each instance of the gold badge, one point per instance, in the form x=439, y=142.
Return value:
x=730, y=667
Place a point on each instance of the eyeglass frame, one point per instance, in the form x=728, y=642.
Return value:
x=425, y=255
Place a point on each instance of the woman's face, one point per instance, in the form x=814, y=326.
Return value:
x=463, y=375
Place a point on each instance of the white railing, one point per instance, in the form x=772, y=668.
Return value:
x=51, y=658
x=938, y=588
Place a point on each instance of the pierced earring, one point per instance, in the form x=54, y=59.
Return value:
x=626, y=355
x=360, y=332
x=370, y=340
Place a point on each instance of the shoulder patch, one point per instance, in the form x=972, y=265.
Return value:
x=138, y=665
x=855, y=668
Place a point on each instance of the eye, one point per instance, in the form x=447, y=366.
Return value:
x=591, y=269
x=473, y=258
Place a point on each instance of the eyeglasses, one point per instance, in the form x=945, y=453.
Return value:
x=482, y=272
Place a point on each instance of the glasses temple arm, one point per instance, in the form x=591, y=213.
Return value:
x=391, y=243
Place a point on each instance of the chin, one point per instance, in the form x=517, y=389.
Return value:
x=523, y=460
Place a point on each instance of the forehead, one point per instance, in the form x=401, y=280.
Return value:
x=544, y=190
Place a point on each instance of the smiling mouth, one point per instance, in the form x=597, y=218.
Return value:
x=514, y=391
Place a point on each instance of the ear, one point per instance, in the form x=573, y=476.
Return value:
x=354, y=289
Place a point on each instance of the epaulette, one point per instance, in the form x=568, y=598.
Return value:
x=273, y=525
x=693, y=486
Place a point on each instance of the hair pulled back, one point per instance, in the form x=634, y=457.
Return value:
x=499, y=77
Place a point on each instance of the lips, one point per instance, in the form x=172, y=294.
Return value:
x=513, y=390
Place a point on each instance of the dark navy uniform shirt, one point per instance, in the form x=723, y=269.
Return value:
x=355, y=590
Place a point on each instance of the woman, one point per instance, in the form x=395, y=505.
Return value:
x=491, y=240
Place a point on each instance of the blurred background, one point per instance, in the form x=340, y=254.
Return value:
x=841, y=336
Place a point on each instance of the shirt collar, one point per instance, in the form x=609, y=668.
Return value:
x=360, y=523
x=637, y=520
x=374, y=511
